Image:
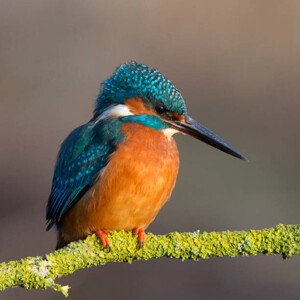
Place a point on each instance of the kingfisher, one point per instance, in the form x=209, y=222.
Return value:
x=116, y=171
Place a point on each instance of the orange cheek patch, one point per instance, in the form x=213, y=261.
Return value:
x=138, y=107
x=178, y=117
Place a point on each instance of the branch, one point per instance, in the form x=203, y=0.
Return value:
x=40, y=272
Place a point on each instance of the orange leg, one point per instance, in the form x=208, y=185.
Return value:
x=141, y=236
x=102, y=234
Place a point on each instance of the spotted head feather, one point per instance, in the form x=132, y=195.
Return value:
x=132, y=80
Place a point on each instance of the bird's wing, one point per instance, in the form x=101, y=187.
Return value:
x=81, y=158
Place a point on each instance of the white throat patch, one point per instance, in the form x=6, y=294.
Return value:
x=169, y=132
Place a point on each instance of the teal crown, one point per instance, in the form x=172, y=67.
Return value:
x=137, y=80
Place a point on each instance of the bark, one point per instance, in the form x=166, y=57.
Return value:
x=41, y=272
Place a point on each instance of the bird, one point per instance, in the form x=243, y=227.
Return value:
x=116, y=171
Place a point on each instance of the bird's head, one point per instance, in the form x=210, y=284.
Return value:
x=138, y=94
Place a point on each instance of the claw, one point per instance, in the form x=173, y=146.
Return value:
x=141, y=236
x=102, y=234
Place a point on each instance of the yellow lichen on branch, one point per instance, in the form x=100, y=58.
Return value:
x=41, y=272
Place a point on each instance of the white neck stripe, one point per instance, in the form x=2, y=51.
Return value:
x=119, y=110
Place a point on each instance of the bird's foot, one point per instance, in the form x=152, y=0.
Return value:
x=102, y=234
x=141, y=236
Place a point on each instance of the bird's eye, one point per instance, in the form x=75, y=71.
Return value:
x=160, y=109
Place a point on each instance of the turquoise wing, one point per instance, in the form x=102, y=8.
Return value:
x=82, y=156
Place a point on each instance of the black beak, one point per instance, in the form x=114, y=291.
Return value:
x=200, y=132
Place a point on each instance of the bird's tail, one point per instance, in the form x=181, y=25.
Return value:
x=61, y=242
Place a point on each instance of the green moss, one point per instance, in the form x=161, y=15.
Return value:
x=38, y=272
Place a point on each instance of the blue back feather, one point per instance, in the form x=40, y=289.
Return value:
x=82, y=156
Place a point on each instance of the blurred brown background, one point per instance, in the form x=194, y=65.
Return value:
x=237, y=64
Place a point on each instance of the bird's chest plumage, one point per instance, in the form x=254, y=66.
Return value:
x=135, y=184
x=138, y=179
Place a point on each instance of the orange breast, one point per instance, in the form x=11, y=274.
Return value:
x=132, y=188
